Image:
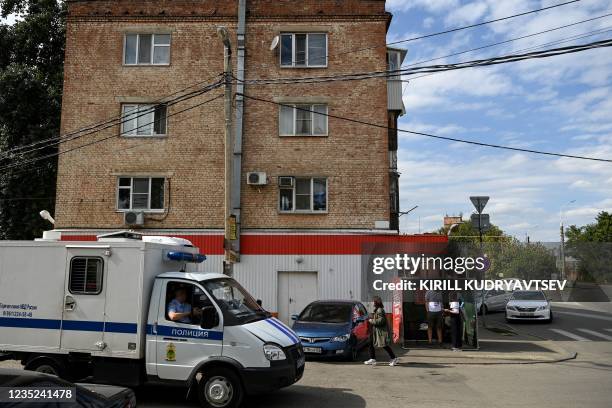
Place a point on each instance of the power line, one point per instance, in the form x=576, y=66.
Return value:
x=100, y=140
x=508, y=41
x=451, y=139
x=435, y=68
x=534, y=47
x=453, y=30
x=124, y=119
x=421, y=37
x=156, y=103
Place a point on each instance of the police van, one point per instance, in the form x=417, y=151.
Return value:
x=129, y=309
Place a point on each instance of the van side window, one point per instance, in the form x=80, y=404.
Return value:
x=86, y=275
x=184, y=303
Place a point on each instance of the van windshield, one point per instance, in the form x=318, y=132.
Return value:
x=237, y=305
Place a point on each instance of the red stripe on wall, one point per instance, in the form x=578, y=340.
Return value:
x=312, y=244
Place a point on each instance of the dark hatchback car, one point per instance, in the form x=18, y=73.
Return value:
x=332, y=328
x=87, y=395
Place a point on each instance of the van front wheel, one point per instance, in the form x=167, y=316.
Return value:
x=220, y=388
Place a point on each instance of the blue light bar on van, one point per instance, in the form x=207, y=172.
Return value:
x=185, y=257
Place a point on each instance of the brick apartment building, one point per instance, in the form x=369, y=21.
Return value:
x=330, y=185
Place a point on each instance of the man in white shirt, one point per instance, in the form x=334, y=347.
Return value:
x=433, y=306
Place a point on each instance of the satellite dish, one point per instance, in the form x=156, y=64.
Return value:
x=275, y=42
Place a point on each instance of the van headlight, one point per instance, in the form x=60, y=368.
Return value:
x=341, y=339
x=273, y=352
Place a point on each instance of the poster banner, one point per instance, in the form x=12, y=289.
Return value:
x=397, y=313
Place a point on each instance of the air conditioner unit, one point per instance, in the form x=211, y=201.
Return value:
x=257, y=178
x=285, y=181
x=133, y=218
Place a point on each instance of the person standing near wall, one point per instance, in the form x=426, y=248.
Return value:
x=379, y=334
x=455, y=322
x=433, y=306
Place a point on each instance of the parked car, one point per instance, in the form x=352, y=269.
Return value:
x=529, y=305
x=87, y=395
x=494, y=301
x=332, y=328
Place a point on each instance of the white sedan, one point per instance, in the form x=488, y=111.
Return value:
x=528, y=305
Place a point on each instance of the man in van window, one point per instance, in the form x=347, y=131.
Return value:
x=178, y=309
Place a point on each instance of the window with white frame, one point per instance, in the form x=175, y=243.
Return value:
x=303, y=194
x=303, y=120
x=143, y=120
x=393, y=62
x=140, y=193
x=147, y=49
x=303, y=50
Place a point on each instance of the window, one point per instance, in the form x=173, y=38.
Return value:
x=393, y=63
x=140, y=193
x=184, y=303
x=147, y=49
x=86, y=275
x=305, y=195
x=304, y=50
x=303, y=120
x=237, y=306
x=143, y=120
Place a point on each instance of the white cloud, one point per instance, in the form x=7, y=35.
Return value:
x=466, y=14
x=434, y=6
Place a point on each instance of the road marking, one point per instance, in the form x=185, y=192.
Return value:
x=570, y=335
x=596, y=334
x=590, y=316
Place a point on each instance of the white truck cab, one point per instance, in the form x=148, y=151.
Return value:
x=126, y=310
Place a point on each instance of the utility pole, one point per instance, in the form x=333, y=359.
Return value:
x=227, y=73
x=562, y=233
x=562, y=251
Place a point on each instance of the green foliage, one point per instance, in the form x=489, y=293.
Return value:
x=508, y=257
x=591, y=245
x=31, y=75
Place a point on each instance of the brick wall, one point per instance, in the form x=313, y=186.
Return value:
x=353, y=157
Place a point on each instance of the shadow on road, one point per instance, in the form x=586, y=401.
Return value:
x=298, y=396
x=295, y=396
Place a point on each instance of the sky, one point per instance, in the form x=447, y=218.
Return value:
x=561, y=104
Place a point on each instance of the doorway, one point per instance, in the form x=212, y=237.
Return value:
x=295, y=291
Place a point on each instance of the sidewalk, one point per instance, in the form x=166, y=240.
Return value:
x=498, y=345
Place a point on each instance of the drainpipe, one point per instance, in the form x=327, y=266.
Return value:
x=237, y=159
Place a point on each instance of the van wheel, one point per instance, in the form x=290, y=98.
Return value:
x=46, y=366
x=220, y=388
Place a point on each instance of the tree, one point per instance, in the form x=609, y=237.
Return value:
x=508, y=257
x=31, y=76
x=591, y=245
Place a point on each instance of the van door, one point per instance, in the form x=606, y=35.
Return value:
x=181, y=342
x=84, y=300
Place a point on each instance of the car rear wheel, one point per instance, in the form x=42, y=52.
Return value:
x=220, y=388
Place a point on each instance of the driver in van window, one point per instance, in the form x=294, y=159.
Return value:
x=178, y=309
